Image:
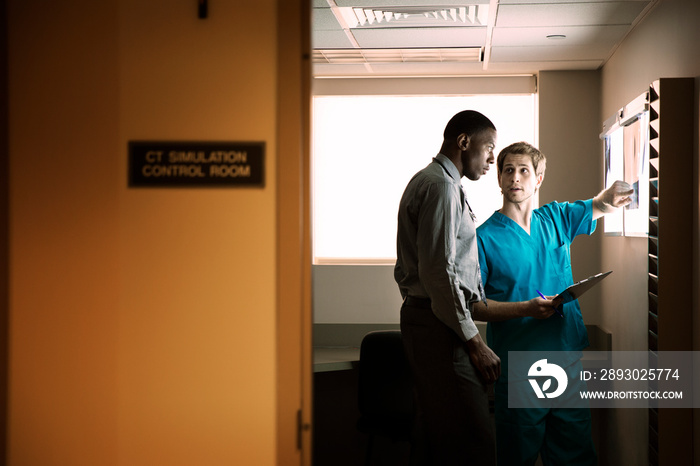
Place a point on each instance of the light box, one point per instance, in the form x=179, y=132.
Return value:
x=626, y=151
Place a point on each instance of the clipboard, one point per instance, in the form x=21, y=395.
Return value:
x=577, y=289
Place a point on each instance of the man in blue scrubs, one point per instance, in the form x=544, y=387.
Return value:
x=523, y=250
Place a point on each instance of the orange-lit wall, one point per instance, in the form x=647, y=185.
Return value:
x=142, y=321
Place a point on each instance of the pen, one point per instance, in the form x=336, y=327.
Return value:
x=561, y=314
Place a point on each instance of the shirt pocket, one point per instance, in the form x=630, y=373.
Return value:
x=560, y=260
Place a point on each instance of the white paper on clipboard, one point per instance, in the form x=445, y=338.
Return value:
x=578, y=288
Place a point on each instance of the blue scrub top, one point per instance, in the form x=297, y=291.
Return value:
x=514, y=265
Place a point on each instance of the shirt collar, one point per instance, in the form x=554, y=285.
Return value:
x=449, y=166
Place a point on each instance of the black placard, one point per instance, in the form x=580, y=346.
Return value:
x=185, y=164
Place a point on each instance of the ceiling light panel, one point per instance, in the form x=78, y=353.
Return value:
x=428, y=4
x=406, y=17
x=425, y=55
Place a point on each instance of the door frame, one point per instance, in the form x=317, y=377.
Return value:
x=294, y=314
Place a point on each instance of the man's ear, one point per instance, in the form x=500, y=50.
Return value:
x=463, y=141
x=540, y=179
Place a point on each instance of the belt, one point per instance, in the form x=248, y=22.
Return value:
x=414, y=301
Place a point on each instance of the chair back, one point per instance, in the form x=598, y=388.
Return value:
x=385, y=391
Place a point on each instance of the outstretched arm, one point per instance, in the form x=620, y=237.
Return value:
x=497, y=311
x=608, y=200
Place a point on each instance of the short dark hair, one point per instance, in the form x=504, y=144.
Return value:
x=539, y=161
x=469, y=122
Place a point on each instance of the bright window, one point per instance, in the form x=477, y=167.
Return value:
x=367, y=148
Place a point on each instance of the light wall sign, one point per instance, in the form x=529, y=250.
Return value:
x=189, y=164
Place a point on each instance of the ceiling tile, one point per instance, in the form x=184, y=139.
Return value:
x=568, y=14
x=532, y=2
x=423, y=37
x=330, y=40
x=548, y=53
x=575, y=35
x=323, y=19
x=534, y=67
